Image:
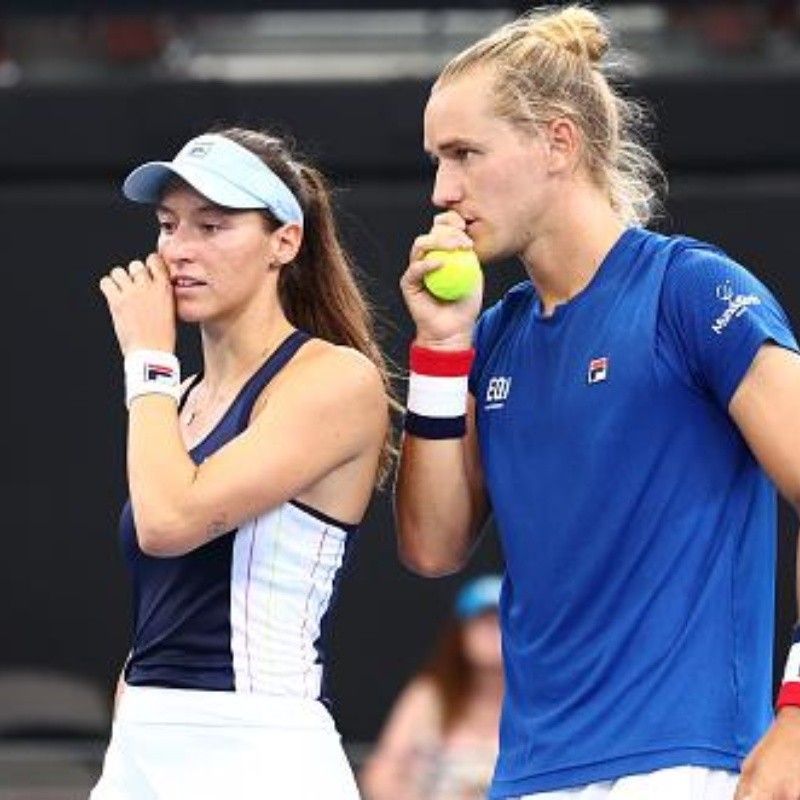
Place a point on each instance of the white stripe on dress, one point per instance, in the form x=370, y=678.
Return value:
x=282, y=576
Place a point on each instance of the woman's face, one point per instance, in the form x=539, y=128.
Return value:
x=481, y=639
x=218, y=258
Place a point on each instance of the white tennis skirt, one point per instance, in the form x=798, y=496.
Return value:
x=673, y=783
x=178, y=744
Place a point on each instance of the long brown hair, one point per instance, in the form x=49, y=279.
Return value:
x=318, y=291
x=451, y=673
x=549, y=64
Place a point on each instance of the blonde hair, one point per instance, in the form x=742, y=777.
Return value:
x=547, y=64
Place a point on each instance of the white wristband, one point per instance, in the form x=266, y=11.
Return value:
x=434, y=396
x=438, y=387
x=151, y=372
x=789, y=694
x=791, y=673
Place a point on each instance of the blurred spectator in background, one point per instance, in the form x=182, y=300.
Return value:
x=440, y=740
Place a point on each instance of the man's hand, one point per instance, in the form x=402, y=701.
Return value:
x=772, y=770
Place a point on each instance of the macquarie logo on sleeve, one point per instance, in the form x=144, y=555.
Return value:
x=735, y=306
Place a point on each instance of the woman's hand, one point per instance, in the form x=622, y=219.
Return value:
x=142, y=305
x=440, y=324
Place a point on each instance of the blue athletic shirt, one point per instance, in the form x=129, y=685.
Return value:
x=248, y=611
x=638, y=530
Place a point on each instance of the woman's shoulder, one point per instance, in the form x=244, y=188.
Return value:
x=423, y=689
x=416, y=713
x=324, y=381
x=338, y=366
x=422, y=700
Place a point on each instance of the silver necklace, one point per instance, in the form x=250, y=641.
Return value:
x=195, y=410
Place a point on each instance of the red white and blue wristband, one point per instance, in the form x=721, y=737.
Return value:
x=437, y=393
x=789, y=694
x=151, y=372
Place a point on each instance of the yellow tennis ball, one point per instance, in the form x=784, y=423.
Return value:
x=458, y=276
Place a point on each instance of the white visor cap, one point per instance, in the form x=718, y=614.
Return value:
x=222, y=171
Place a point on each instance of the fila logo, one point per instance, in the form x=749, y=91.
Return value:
x=200, y=150
x=497, y=392
x=158, y=373
x=598, y=370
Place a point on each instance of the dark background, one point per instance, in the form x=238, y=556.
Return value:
x=730, y=144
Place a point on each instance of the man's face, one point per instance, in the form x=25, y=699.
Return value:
x=494, y=174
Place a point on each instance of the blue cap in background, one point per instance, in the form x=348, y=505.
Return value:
x=478, y=596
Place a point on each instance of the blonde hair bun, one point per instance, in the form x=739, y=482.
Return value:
x=576, y=29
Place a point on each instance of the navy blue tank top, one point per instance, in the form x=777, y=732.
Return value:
x=189, y=627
